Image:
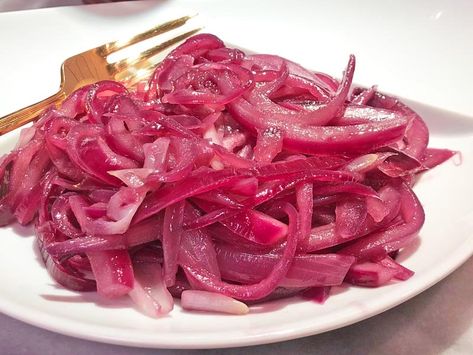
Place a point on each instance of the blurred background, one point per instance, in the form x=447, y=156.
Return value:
x=16, y=5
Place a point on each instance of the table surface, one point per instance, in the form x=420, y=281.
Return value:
x=438, y=321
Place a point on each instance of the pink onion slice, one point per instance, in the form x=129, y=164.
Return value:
x=370, y=274
x=149, y=292
x=317, y=294
x=246, y=187
x=324, y=236
x=413, y=219
x=63, y=273
x=172, y=232
x=113, y=272
x=120, y=211
x=268, y=145
x=89, y=151
x=350, y=216
x=219, y=198
x=141, y=233
x=210, y=282
x=270, y=114
x=253, y=225
x=196, y=300
x=402, y=273
x=246, y=266
x=191, y=186
x=305, y=206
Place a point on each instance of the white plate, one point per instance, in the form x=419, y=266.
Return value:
x=401, y=51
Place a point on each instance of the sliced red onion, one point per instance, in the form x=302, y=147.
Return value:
x=194, y=176
x=94, y=106
x=210, y=282
x=172, y=232
x=433, y=157
x=376, y=208
x=195, y=300
x=132, y=177
x=364, y=96
x=344, y=139
x=402, y=273
x=138, y=234
x=89, y=151
x=350, y=217
x=322, y=237
x=120, y=211
x=413, y=216
x=122, y=141
x=16, y=169
x=156, y=154
x=62, y=214
x=359, y=114
x=317, y=294
x=246, y=187
x=280, y=169
x=253, y=225
x=219, y=198
x=198, y=44
x=56, y=144
x=230, y=79
x=26, y=135
x=369, y=274
x=346, y=187
x=113, y=272
x=367, y=162
x=240, y=265
x=184, y=153
x=268, y=145
x=417, y=133
x=270, y=114
x=64, y=273
x=149, y=291
x=234, y=140
x=215, y=216
x=305, y=206
x=186, y=188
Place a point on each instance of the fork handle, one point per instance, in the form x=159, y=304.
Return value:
x=30, y=113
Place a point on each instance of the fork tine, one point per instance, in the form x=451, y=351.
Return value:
x=134, y=77
x=111, y=47
x=126, y=63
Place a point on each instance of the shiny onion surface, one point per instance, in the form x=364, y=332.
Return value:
x=226, y=178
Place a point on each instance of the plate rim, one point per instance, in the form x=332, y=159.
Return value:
x=76, y=329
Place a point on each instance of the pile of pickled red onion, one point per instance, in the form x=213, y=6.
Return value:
x=226, y=177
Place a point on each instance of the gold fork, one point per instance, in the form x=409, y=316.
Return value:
x=91, y=66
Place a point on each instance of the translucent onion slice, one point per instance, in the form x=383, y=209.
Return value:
x=195, y=300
